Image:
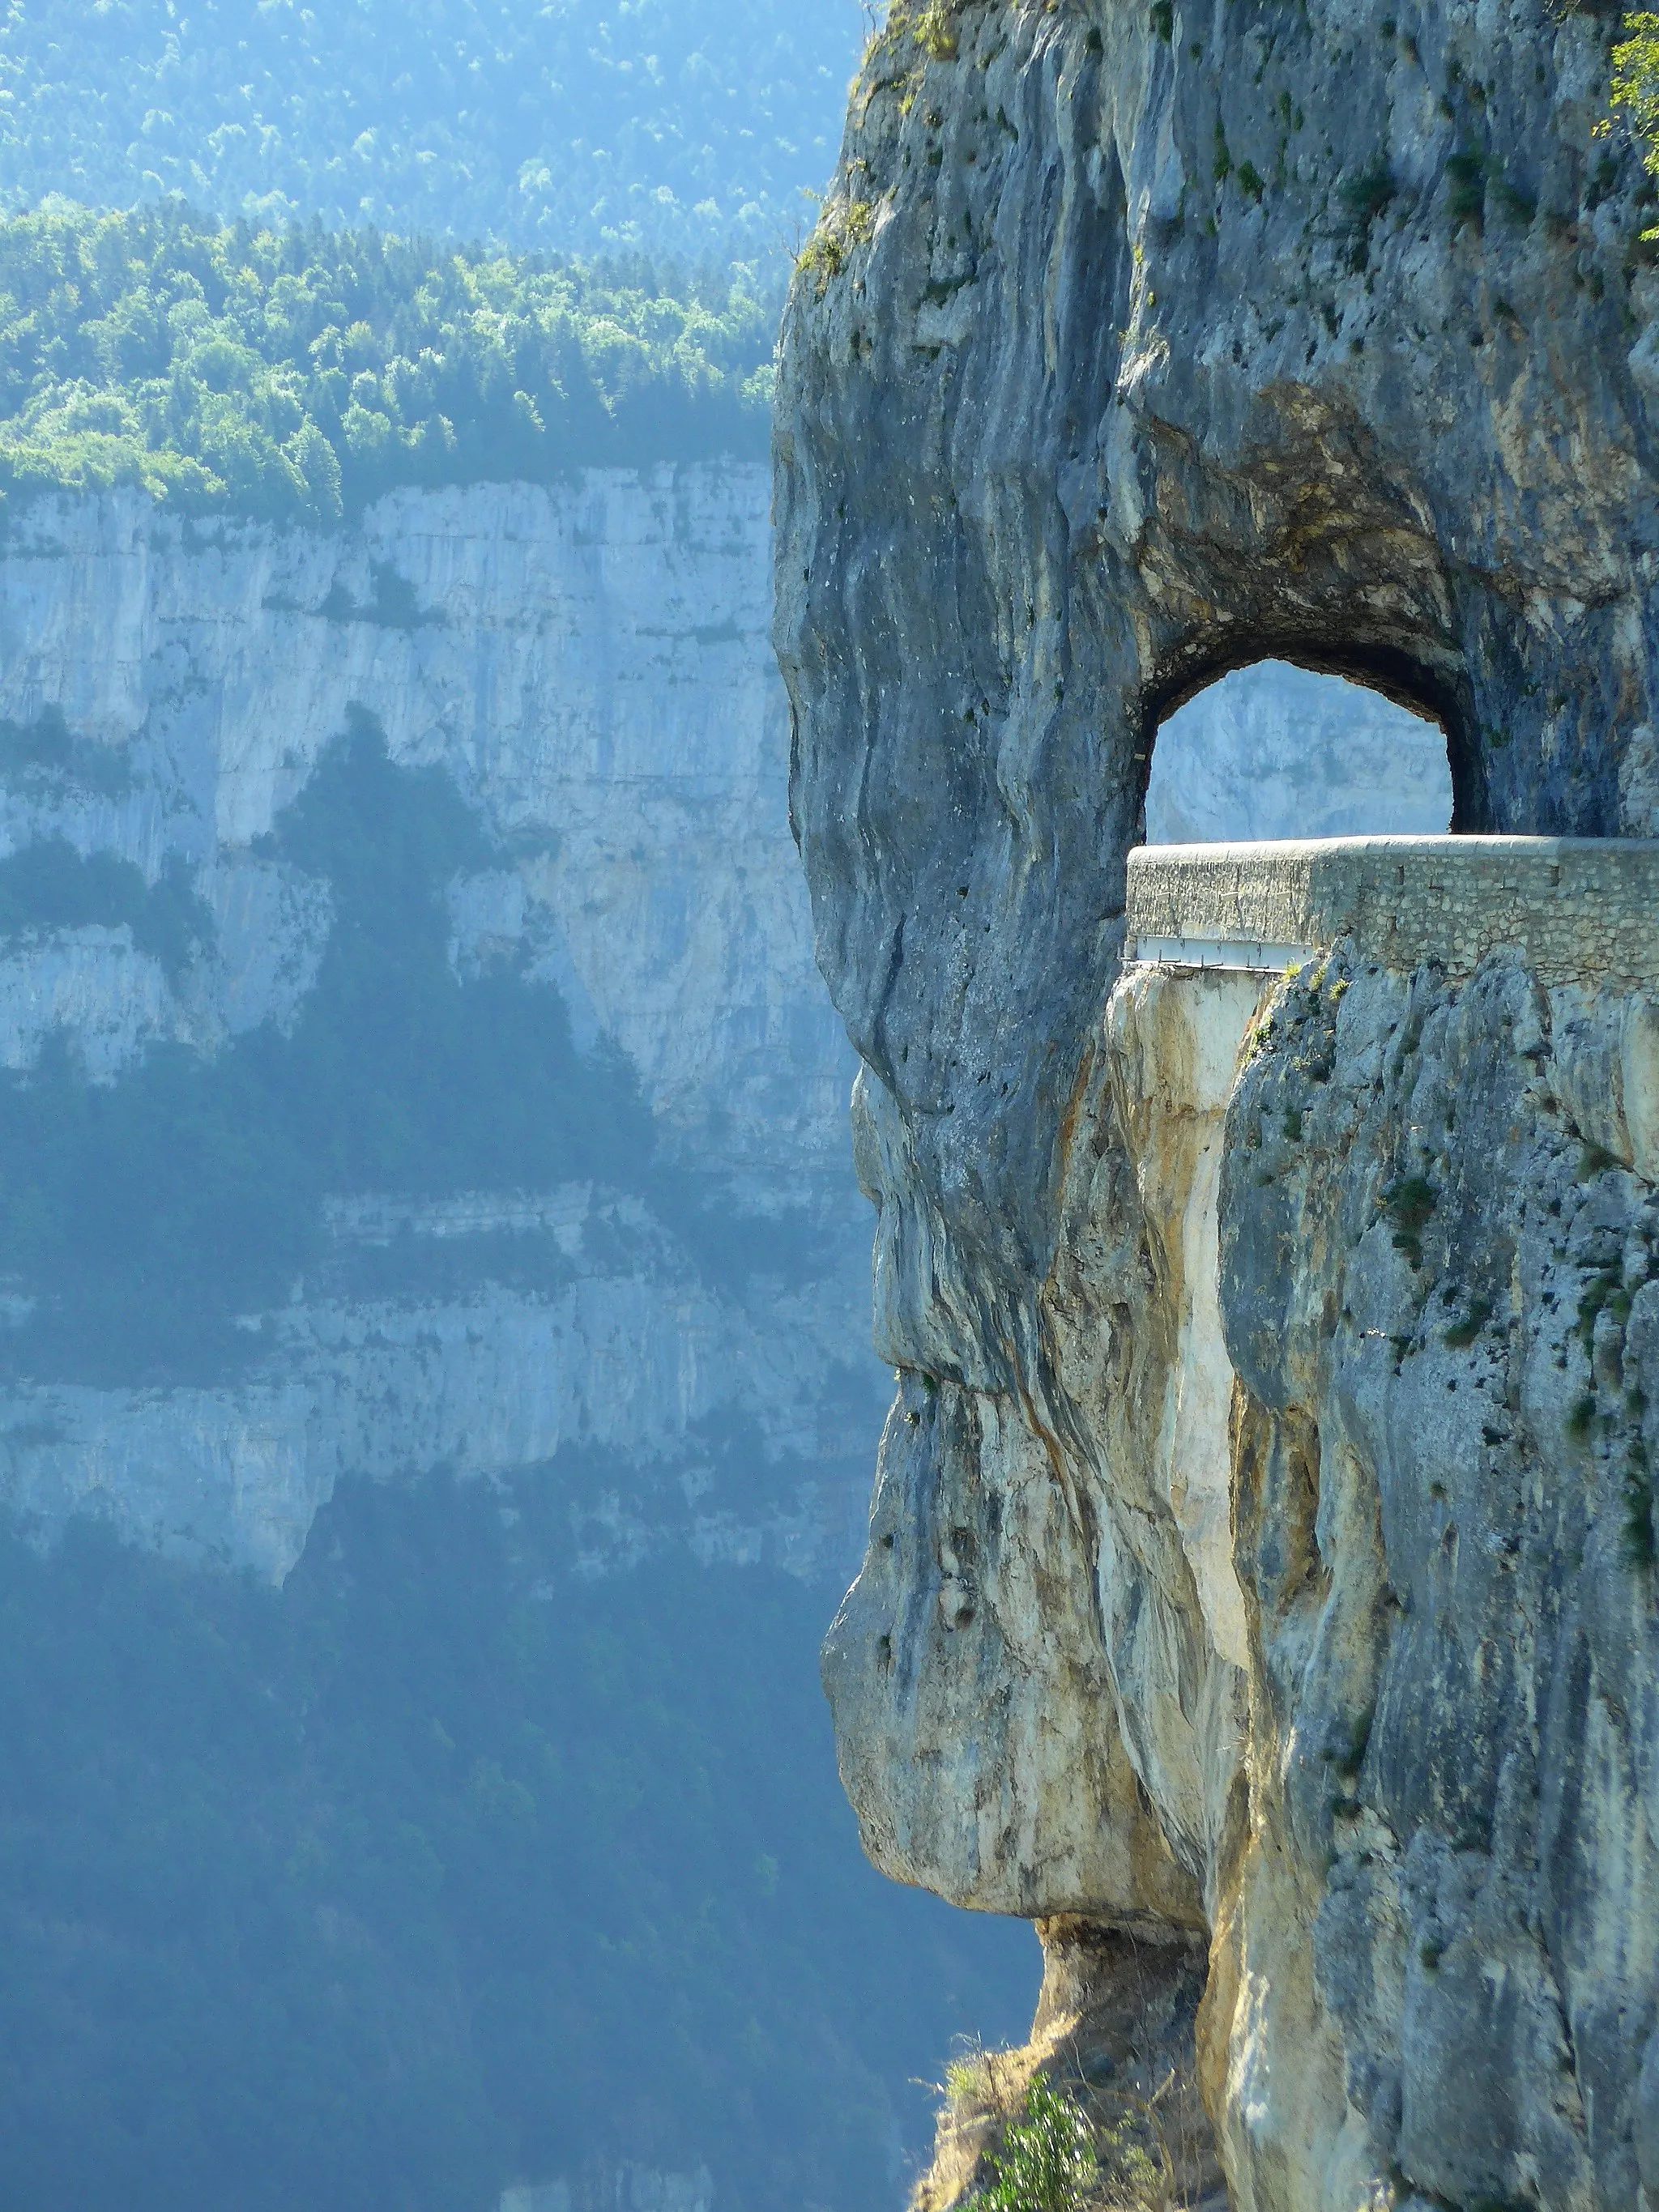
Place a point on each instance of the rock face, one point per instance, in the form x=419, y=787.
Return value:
x=590, y=667
x=1293, y=1588
x=1444, y=1530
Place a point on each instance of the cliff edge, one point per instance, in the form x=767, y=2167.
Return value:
x=1262, y=1559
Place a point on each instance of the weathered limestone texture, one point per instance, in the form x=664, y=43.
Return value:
x=1309, y=1602
x=1439, y=1301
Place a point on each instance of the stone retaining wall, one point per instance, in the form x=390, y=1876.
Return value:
x=1579, y=909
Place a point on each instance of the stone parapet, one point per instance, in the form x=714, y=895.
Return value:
x=1578, y=909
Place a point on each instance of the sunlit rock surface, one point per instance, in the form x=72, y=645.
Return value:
x=1140, y=345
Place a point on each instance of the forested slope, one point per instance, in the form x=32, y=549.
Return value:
x=295, y=372
x=444, y=1867
x=685, y=126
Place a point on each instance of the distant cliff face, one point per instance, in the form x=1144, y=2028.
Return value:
x=588, y=669
x=1274, y=750
x=1139, y=346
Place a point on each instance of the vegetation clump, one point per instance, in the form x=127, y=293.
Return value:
x=1639, y=1547
x=1463, y=1333
x=1366, y=194
x=910, y=37
x=50, y=886
x=294, y=374
x=1057, y=2156
x=1636, y=89
x=1048, y=2161
x=1466, y=199
x=843, y=225
x=1410, y=1201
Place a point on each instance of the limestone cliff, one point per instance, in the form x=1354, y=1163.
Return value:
x=1259, y=1551
x=590, y=668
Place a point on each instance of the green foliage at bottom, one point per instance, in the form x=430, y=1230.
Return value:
x=441, y=1869
x=1047, y=2162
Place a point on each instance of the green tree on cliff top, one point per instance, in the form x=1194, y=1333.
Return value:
x=1635, y=88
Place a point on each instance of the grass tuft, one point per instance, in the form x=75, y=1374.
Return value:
x=843, y=226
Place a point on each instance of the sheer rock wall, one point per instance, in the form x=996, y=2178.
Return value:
x=590, y=664
x=1140, y=343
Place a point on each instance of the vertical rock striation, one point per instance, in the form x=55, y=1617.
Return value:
x=1259, y=1551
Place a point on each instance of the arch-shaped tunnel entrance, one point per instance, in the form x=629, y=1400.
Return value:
x=1276, y=751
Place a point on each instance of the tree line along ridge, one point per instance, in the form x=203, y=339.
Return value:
x=294, y=374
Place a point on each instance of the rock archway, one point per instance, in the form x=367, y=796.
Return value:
x=1273, y=750
x=1115, y=366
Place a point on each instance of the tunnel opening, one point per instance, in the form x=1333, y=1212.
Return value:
x=1279, y=749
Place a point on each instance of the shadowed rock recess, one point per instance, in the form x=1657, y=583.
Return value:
x=1261, y=1581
